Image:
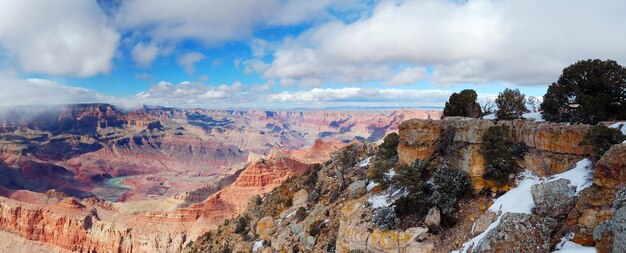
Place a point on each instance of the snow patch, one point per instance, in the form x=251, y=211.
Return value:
x=490, y=116
x=365, y=162
x=567, y=246
x=258, y=245
x=371, y=186
x=519, y=199
x=379, y=201
x=620, y=125
x=391, y=173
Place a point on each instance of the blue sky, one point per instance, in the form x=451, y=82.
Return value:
x=295, y=53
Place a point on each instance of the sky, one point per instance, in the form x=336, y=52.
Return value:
x=295, y=53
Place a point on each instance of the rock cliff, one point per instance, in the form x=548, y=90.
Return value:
x=553, y=148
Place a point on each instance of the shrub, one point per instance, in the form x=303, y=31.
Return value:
x=449, y=185
x=588, y=92
x=257, y=200
x=519, y=149
x=316, y=227
x=332, y=245
x=495, y=148
x=300, y=214
x=411, y=178
x=511, y=104
x=378, y=168
x=348, y=156
x=601, y=138
x=311, y=177
x=242, y=225
x=389, y=148
x=462, y=104
x=385, y=218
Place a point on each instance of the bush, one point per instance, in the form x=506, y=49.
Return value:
x=511, y=104
x=316, y=227
x=519, y=149
x=348, y=156
x=601, y=138
x=587, y=92
x=449, y=185
x=332, y=245
x=495, y=148
x=300, y=214
x=378, y=168
x=462, y=104
x=257, y=200
x=385, y=218
x=412, y=179
x=242, y=226
x=389, y=148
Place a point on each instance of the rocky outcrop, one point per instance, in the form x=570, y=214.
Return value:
x=595, y=204
x=611, y=234
x=553, y=148
x=518, y=232
x=553, y=199
x=355, y=234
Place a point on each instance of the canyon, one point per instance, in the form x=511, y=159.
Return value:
x=93, y=178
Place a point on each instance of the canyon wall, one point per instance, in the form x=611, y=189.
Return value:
x=552, y=147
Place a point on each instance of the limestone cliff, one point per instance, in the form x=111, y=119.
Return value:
x=553, y=148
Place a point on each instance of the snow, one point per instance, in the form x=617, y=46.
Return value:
x=371, y=186
x=391, y=173
x=490, y=116
x=533, y=115
x=379, y=201
x=365, y=162
x=291, y=214
x=567, y=246
x=519, y=199
x=257, y=245
x=621, y=126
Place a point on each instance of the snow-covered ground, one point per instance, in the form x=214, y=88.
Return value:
x=379, y=201
x=519, y=199
x=567, y=246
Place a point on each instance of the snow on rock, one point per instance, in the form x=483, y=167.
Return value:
x=379, y=201
x=365, y=162
x=371, y=186
x=520, y=200
x=257, y=246
x=567, y=246
x=490, y=116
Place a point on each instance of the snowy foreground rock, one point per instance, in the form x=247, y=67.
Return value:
x=518, y=232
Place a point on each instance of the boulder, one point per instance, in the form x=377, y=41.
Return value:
x=482, y=223
x=265, y=228
x=357, y=189
x=610, y=236
x=554, y=199
x=518, y=232
x=433, y=218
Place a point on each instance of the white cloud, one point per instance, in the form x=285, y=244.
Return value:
x=523, y=42
x=188, y=61
x=65, y=37
x=408, y=76
x=219, y=20
x=191, y=94
x=357, y=94
x=144, y=53
x=17, y=91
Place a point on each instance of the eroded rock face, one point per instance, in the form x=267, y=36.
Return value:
x=610, y=236
x=355, y=233
x=518, y=232
x=553, y=199
x=595, y=203
x=553, y=148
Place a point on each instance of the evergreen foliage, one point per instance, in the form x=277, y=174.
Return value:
x=495, y=148
x=601, y=138
x=511, y=104
x=463, y=104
